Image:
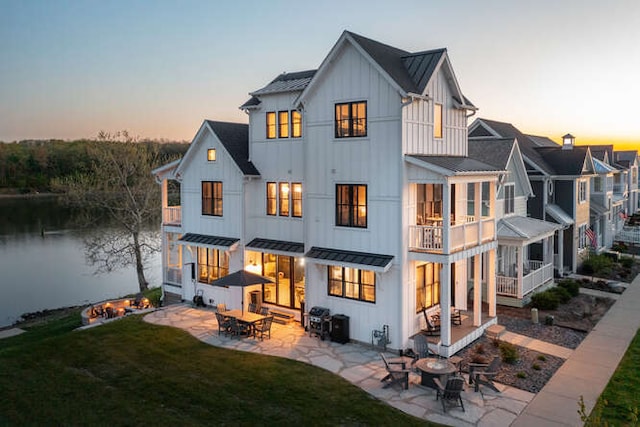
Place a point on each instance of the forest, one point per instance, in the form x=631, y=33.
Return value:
x=31, y=166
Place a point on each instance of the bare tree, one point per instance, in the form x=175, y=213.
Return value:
x=120, y=185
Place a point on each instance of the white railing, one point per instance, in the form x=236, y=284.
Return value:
x=172, y=215
x=488, y=229
x=538, y=275
x=629, y=234
x=425, y=237
x=173, y=275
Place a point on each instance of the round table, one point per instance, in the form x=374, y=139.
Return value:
x=431, y=368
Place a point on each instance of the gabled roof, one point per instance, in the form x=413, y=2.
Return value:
x=453, y=165
x=234, y=137
x=409, y=72
x=567, y=162
x=287, y=82
x=625, y=158
x=542, y=141
x=602, y=152
x=525, y=228
x=601, y=167
x=492, y=151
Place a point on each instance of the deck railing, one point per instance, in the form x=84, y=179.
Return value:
x=463, y=234
x=537, y=274
x=172, y=215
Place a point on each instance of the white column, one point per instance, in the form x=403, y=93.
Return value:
x=446, y=217
x=164, y=191
x=491, y=282
x=445, y=304
x=519, y=265
x=560, y=265
x=477, y=290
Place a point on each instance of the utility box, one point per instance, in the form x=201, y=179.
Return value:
x=340, y=328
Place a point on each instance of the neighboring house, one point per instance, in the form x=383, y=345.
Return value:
x=559, y=176
x=525, y=245
x=601, y=206
x=629, y=160
x=352, y=189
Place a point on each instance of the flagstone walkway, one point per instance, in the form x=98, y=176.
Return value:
x=358, y=364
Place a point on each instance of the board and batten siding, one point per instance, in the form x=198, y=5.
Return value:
x=418, y=119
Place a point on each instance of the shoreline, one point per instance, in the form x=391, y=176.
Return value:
x=28, y=195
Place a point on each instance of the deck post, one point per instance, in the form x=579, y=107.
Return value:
x=477, y=290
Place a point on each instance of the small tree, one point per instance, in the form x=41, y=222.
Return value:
x=121, y=186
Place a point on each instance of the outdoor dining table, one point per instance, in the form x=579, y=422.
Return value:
x=245, y=317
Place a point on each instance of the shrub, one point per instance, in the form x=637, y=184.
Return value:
x=545, y=300
x=627, y=262
x=542, y=357
x=508, y=352
x=562, y=293
x=477, y=358
x=479, y=349
x=597, y=265
x=572, y=286
x=536, y=367
x=521, y=375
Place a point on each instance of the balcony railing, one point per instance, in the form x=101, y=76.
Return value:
x=620, y=188
x=172, y=215
x=426, y=237
x=463, y=234
x=537, y=274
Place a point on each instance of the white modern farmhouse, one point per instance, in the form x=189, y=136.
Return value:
x=352, y=189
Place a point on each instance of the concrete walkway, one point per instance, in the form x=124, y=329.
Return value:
x=537, y=345
x=588, y=370
x=6, y=333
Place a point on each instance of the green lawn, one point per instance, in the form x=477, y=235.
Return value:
x=132, y=373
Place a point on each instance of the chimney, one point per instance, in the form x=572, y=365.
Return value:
x=568, y=142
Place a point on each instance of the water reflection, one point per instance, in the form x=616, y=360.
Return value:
x=42, y=260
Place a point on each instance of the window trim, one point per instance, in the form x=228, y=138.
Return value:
x=215, y=264
x=271, y=128
x=216, y=190
x=582, y=191
x=209, y=156
x=343, y=283
x=438, y=122
x=283, y=128
x=351, y=220
x=436, y=269
x=509, y=202
x=284, y=202
x=296, y=200
x=296, y=114
x=350, y=120
x=273, y=199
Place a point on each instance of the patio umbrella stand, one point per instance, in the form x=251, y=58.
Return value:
x=241, y=278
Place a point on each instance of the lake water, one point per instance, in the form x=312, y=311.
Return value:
x=46, y=271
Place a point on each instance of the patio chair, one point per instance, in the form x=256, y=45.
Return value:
x=395, y=375
x=111, y=313
x=222, y=308
x=264, y=311
x=420, y=347
x=253, y=308
x=238, y=328
x=433, y=328
x=456, y=317
x=223, y=324
x=263, y=328
x=450, y=393
x=482, y=374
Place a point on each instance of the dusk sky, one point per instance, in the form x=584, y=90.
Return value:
x=158, y=68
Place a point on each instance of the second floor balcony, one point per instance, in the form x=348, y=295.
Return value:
x=172, y=215
x=463, y=234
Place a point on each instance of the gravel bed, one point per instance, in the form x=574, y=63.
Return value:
x=553, y=334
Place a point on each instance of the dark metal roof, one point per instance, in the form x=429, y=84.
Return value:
x=252, y=102
x=235, y=138
x=492, y=151
x=203, y=239
x=457, y=164
x=276, y=245
x=287, y=82
x=421, y=66
x=349, y=257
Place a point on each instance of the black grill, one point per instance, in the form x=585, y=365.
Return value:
x=319, y=322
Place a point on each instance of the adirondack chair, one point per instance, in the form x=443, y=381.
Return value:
x=395, y=375
x=432, y=329
x=420, y=347
x=450, y=393
x=482, y=374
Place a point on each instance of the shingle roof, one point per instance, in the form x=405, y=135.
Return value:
x=235, y=138
x=341, y=257
x=564, y=162
x=542, y=141
x=491, y=151
x=276, y=245
x=457, y=165
x=625, y=158
x=287, y=82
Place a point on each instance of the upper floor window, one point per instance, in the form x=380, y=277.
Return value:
x=212, y=198
x=437, y=120
x=429, y=203
x=352, y=283
x=284, y=199
x=271, y=125
x=509, y=198
x=582, y=191
x=597, y=184
x=283, y=124
x=272, y=198
x=211, y=154
x=296, y=124
x=351, y=119
x=351, y=205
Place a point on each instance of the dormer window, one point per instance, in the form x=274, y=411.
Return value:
x=437, y=120
x=211, y=155
x=351, y=119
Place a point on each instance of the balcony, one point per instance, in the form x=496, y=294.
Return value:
x=464, y=234
x=172, y=215
x=537, y=274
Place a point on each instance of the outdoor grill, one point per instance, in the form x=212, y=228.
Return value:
x=319, y=322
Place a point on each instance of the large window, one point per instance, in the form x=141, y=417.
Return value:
x=271, y=125
x=212, y=198
x=582, y=237
x=296, y=199
x=351, y=119
x=352, y=283
x=283, y=124
x=509, y=198
x=582, y=191
x=296, y=124
x=429, y=203
x=283, y=194
x=272, y=198
x=351, y=205
x=427, y=285
x=212, y=264
x=437, y=120
x=287, y=274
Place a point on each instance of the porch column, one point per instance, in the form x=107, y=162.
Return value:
x=446, y=217
x=477, y=290
x=560, y=265
x=519, y=267
x=491, y=282
x=165, y=197
x=445, y=304
x=477, y=211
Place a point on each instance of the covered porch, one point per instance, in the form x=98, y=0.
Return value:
x=525, y=258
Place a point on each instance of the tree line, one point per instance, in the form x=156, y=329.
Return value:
x=33, y=166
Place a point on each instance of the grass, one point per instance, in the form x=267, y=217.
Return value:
x=132, y=373
x=621, y=394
